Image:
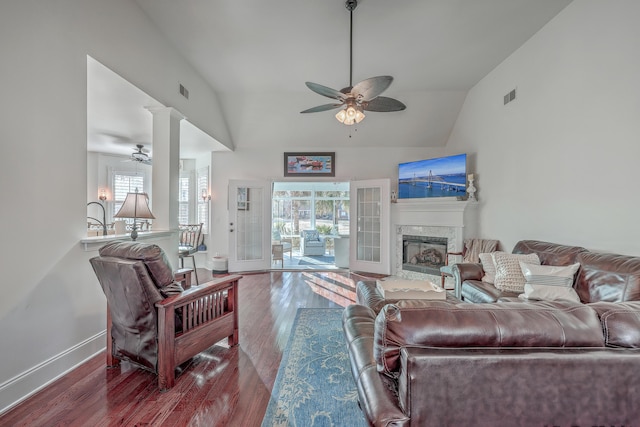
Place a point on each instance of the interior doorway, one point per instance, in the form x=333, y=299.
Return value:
x=310, y=225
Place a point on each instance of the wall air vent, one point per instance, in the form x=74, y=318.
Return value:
x=509, y=97
x=184, y=92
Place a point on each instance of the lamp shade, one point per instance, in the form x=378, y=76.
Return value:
x=136, y=205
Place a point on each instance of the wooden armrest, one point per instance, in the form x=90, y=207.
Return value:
x=183, y=275
x=196, y=292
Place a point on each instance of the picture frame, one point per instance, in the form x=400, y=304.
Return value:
x=310, y=164
x=243, y=199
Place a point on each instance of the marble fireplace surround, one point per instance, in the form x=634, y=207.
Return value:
x=451, y=219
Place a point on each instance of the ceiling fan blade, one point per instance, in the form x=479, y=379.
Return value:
x=372, y=87
x=324, y=107
x=326, y=91
x=383, y=104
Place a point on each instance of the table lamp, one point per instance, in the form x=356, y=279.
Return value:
x=136, y=205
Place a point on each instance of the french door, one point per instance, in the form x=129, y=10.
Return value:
x=249, y=225
x=370, y=213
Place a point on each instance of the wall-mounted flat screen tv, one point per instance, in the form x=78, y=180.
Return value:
x=439, y=177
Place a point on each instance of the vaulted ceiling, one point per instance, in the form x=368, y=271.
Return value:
x=257, y=56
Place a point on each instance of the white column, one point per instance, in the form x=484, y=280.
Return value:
x=166, y=167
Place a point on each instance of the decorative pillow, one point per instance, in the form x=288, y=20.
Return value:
x=548, y=282
x=311, y=235
x=488, y=266
x=396, y=288
x=509, y=277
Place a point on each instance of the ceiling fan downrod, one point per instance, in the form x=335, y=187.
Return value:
x=351, y=6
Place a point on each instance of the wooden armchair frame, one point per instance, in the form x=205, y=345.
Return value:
x=205, y=317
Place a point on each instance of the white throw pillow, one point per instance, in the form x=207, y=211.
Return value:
x=489, y=266
x=509, y=276
x=397, y=288
x=548, y=282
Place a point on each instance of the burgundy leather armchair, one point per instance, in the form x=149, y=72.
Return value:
x=151, y=320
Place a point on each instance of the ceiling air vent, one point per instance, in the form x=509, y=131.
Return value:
x=184, y=92
x=509, y=97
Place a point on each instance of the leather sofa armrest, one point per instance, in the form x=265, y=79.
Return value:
x=368, y=294
x=467, y=271
x=377, y=394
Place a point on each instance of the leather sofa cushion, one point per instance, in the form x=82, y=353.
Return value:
x=442, y=324
x=620, y=323
x=608, y=277
x=549, y=253
x=151, y=255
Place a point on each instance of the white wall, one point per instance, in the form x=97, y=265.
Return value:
x=52, y=309
x=559, y=163
x=268, y=165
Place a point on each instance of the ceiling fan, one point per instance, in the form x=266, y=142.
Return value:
x=140, y=155
x=364, y=96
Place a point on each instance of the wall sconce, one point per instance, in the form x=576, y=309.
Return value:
x=205, y=195
x=103, y=194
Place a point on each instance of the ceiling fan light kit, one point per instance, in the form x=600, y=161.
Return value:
x=140, y=156
x=364, y=96
x=350, y=115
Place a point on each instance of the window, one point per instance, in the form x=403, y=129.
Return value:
x=322, y=206
x=123, y=183
x=193, y=208
x=183, y=198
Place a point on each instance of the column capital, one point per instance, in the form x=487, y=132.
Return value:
x=172, y=112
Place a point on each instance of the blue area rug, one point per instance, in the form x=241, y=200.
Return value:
x=314, y=385
x=316, y=260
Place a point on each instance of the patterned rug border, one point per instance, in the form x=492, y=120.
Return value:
x=314, y=385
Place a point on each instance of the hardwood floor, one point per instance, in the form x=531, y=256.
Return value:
x=220, y=387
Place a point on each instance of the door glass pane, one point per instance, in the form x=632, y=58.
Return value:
x=250, y=211
x=368, y=220
x=342, y=217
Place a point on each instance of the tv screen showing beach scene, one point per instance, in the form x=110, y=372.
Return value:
x=439, y=177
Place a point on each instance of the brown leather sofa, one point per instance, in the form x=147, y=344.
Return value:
x=451, y=363
x=601, y=276
x=498, y=364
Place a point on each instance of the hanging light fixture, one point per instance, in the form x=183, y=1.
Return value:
x=351, y=114
x=354, y=100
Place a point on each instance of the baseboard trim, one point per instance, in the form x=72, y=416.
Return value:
x=24, y=385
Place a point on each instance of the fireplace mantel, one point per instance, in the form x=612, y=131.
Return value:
x=431, y=212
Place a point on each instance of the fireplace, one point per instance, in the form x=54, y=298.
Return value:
x=423, y=254
x=437, y=226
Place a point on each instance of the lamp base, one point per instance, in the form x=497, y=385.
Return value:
x=134, y=233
